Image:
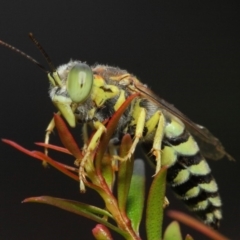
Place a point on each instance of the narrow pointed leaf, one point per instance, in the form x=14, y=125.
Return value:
x=55, y=164
x=195, y=224
x=135, y=201
x=107, y=171
x=66, y=137
x=124, y=173
x=79, y=208
x=155, y=202
x=54, y=147
x=69, y=205
x=40, y=156
x=18, y=147
x=173, y=232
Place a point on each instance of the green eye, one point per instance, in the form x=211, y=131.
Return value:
x=79, y=82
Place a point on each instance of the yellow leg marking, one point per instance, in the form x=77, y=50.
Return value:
x=152, y=122
x=85, y=137
x=157, y=142
x=90, y=148
x=49, y=130
x=165, y=202
x=138, y=134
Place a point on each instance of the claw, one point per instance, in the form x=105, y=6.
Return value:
x=122, y=159
x=82, y=178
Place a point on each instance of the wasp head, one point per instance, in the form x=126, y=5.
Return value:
x=71, y=85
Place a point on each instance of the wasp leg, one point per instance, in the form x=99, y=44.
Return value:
x=49, y=130
x=165, y=202
x=138, y=134
x=157, y=120
x=155, y=125
x=157, y=141
x=113, y=151
x=85, y=137
x=85, y=142
x=90, y=148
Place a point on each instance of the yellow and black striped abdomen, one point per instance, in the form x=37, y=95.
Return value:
x=189, y=174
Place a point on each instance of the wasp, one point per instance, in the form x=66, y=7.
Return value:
x=92, y=94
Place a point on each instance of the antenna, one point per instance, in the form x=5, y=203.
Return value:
x=40, y=48
x=24, y=55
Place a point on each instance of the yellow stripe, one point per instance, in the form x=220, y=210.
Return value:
x=174, y=129
x=193, y=192
x=216, y=201
x=201, y=168
x=182, y=177
x=189, y=147
x=99, y=95
x=209, y=187
x=120, y=101
x=218, y=213
x=210, y=217
x=152, y=122
x=200, y=205
x=169, y=156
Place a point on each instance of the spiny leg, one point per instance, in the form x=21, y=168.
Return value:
x=138, y=134
x=100, y=129
x=49, y=130
x=165, y=202
x=85, y=142
x=157, y=141
x=85, y=137
x=155, y=130
x=113, y=151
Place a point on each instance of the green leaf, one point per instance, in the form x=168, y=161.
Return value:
x=155, y=202
x=79, y=208
x=135, y=201
x=173, y=232
x=107, y=171
x=124, y=173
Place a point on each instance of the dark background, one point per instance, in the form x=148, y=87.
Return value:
x=186, y=51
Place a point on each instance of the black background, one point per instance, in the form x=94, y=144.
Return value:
x=186, y=51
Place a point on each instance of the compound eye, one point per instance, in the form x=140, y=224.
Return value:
x=79, y=82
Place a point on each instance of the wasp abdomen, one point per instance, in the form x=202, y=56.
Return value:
x=189, y=174
x=194, y=184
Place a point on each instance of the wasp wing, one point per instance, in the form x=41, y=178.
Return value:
x=210, y=146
